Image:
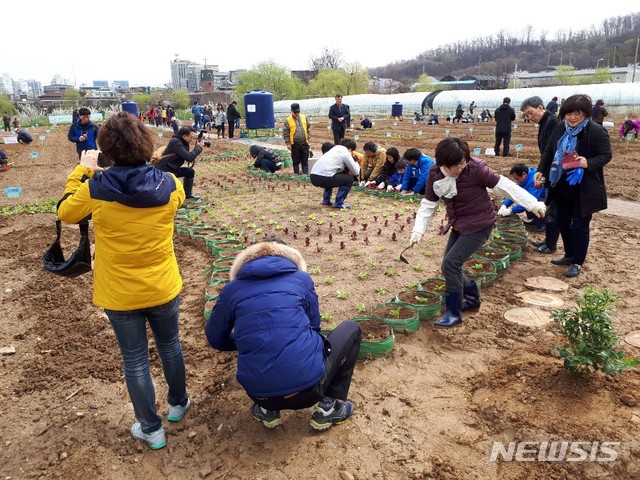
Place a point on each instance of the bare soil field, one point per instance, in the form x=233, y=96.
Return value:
x=431, y=409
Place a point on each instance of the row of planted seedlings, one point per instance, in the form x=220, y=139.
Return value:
x=424, y=302
x=266, y=205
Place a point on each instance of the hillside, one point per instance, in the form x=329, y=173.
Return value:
x=613, y=40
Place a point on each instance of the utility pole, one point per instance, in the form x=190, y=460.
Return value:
x=635, y=62
x=615, y=48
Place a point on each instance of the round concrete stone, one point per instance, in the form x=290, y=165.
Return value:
x=540, y=299
x=548, y=284
x=633, y=338
x=528, y=316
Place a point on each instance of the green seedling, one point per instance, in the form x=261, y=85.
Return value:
x=477, y=266
x=329, y=280
x=373, y=262
x=380, y=291
x=412, y=285
x=421, y=299
x=390, y=272
x=361, y=307
x=395, y=313
x=326, y=316
x=362, y=275
x=344, y=266
x=314, y=271
x=330, y=258
x=417, y=267
x=342, y=295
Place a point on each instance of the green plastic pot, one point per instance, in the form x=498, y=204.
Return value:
x=511, y=238
x=428, y=309
x=514, y=251
x=407, y=324
x=488, y=276
x=430, y=284
x=499, y=257
x=223, y=264
x=378, y=348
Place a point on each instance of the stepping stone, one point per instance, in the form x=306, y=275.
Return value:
x=548, y=284
x=633, y=338
x=540, y=299
x=528, y=316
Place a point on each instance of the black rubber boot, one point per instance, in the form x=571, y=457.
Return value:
x=471, y=296
x=188, y=189
x=326, y=196
x=453, y=315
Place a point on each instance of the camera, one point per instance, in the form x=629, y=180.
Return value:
x=103, y=162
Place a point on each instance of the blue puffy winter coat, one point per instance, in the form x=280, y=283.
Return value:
x=269, y=313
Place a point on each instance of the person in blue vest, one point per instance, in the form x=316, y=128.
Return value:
x=83, y=132
x=524, y=177
x=415, y=177
x=269, y=314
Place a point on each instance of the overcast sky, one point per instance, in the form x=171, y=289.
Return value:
x=136, y=40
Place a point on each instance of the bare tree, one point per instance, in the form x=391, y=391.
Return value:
x=329, y=58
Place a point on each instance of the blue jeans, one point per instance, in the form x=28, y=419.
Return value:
x=131, y=333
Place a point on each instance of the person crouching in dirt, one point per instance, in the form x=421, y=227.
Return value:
x=269, y=313
x=24, y=137
x=265, y=159
x=4, y=161
x=461, y=182
x=176, y=153
x=336, y=168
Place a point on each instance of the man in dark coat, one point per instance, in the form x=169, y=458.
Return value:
x=176, y=153
x=504, y=115
x=232, y=116
x=340, y=116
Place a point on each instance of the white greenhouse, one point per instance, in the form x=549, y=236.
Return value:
x=620, y=98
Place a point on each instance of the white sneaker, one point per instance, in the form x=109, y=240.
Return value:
x=177, y=412
x=156, y=440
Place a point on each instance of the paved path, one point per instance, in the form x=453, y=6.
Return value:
x=623, y=208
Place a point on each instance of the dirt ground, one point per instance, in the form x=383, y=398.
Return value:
x=432, y=409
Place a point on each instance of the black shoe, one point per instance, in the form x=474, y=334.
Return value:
x=538, y=243
x=573, y=270
x=544, y=249
x=535, y=228
x=562, y=261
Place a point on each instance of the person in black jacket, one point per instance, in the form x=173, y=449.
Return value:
x=504, y=115
x=265, y=159
x=599, y=112
x=232, y=116
x=176, y=153
x=578, y=192
x=533, y=109
x=340, y=116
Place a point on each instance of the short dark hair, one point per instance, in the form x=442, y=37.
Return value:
x=412, y=154
x=370, y=147
x=599, y=102
x=185, y=131
x=519, y=169
x=348, y=143
x=125, y=140
x=338, y=95
x=506, y=100
x=84, y=111
x=533, y=102
x=579, y=102
x=451, y=151
x=326, y=146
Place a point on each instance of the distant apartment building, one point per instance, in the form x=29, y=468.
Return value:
x=120, y=84
x=6, y=84
x=194, y=77
x=549, y=77
x=101, y=83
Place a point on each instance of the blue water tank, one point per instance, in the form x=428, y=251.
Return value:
x=131, y=107
x=258, y=109
x=396, y=109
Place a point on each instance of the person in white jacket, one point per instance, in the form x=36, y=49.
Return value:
x=462, y=182
x=336, y=168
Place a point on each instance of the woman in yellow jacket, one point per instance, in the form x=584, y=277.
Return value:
x=136, y=279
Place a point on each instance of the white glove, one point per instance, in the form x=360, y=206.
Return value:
x=539, y=209
x=362, y=183
x=390, y=188
x=381, y=186
x=415, y=238
x=369, y=184
x=398, y=188
x=508, y=188
x=504, y=211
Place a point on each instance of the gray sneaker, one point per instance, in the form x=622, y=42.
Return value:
x=177, y=412
x=269, y=418
x=156, y=440
x=323, y=419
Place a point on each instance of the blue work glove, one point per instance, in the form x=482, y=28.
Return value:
x=574, y=177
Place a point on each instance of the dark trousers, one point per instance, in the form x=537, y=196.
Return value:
x=338, y=134
x=232, y=124
x=412, y=183
x=504, y=138
x=574, y=229
x=551, y=227
x=459, y=249
x=300, y=155
x=268, y=165
x=338, y=180
x=341, y=350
